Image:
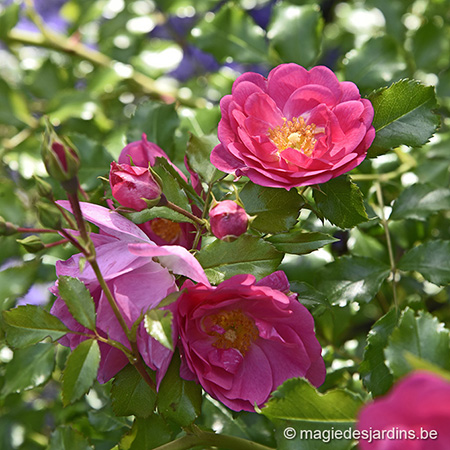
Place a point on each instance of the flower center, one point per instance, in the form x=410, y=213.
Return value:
x=232, y=329
x=165, y=229
x=294, y=134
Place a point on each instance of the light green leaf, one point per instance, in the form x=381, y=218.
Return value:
x=9, y=16
x=30, y=367
x=300, y=242
x=130, y=394
x=198, y=153
x=421, y=335
x=341, y=202
x=78, y=300
x=431, y=259
x=290, y=27
x=276, y=210
x=158, y=323
x=247, y=254
x=66, y=438
x=29, y=324
x=403, y=115
x=157, y=212
x=81, y=371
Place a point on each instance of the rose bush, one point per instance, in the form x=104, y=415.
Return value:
x=125, y=257
x=295, y=128
x=241, y=339
x=420, y=401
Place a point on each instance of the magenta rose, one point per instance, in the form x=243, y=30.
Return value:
x=139, y=274
x=161, y=231
x=242, y=339
x=295, y=128
x=418, y=404
x=228, y=220
x=132, y=185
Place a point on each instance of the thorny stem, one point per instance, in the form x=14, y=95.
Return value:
x=385, y=224
x=210, y=439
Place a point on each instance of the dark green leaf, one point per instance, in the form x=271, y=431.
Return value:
x=146, y=434
x=198, y=153
x=375, y=374
x=291, y=27
x=430, y=259
x=403, y=115
x=422, y=336
x=78, y=299
x=130, y=394
x=30, y=367
x=420, y=201
x=341, y=202
x=158, y=324
x=233, y=33
x=66, y=438
x=29, y=324
x=158, y=121
x=310, y=296
x=276, y=210
x=179, y=400
x=247, y=254
x=352, y=278
x=81, y=371
x=300, y=242
x=8, y=19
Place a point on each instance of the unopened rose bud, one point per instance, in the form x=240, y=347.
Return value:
x=32, y=244
x=60, y=158
x=49, y=216
x=228, y=220
x=7, y=228
x=134, y=187
x=44, y=189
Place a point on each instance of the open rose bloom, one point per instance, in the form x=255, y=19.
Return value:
x=295, y=128
x=420, y=401
x=139, y=274
x=243, y=339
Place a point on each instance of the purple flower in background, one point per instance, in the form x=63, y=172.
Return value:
x=194, y=62
x=261, y=15
x=49, y=10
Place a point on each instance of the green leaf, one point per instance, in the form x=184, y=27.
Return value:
x=378, y=61
x=157, y=212
x=419, y=201
x=78, y=300
x=198, y=153
x=30, y=367
x=310, y=296
x=16, y=281
x=231, y=33
x=299, y=409
x=8, y=19
x=179, y=400
x=352, y=278
x=430, y=259
x=146, y=434
x=374, y=372
x=158, y=323
x=247, y=254
x=422, y=336
x=341, y=202
x=81, y=371
x=276, y=210
x=66, y=438
x=158, y=121
x=300, y=242
x=14, y=110
x=403, y=116
x=291, y=27
x=130, y=394
x=29, y=324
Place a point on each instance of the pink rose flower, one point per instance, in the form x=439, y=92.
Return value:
x=417, y=404
x=131, y=185
x=139, y=275
x=228, y=220
x=161, y=231
x=295, y=128
x=242, y=339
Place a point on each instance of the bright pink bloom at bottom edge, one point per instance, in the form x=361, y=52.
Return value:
x=242, y=339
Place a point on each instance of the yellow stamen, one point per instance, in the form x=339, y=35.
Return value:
x=165, y=229
x=232, y=329
x=294, y=134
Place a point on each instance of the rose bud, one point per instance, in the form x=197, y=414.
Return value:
x=131, y=186
x=228, y=220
